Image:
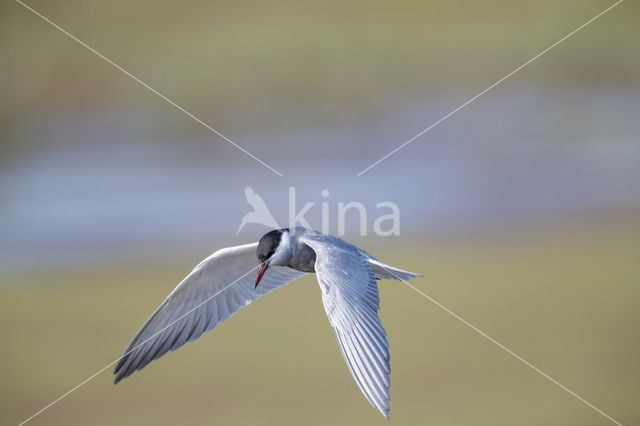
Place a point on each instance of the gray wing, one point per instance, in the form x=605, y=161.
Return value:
x=350, y=297
x=216, y=289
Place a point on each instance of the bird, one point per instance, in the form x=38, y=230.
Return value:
x=223, y=283
x=260, y=213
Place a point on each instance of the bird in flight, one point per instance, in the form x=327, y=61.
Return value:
x=217, y=288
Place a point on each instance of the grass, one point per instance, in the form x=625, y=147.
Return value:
x=238, y=63
x=565, y=299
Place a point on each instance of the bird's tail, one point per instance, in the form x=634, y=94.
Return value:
x=388, y=272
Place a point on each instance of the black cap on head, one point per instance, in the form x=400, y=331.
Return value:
x=268, y=244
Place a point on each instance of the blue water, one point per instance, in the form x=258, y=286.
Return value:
x=513, y=158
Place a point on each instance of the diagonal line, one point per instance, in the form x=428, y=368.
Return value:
x=88, y=379
x=489, y=88
x=503, y=347
x=151, y=89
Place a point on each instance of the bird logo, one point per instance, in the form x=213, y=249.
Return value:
x=260, y=213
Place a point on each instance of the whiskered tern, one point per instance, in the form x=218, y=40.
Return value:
x=217, y=288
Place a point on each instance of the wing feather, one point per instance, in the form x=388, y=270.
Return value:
x=216, y=289
x=351, y=300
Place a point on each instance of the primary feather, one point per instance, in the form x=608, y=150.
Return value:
x=225, y=282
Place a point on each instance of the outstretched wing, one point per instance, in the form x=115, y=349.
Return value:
x=216, y=289
x=350, y=297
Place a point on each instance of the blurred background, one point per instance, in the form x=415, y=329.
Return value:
x=522, y=210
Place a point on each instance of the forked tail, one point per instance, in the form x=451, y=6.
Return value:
x=388, y=272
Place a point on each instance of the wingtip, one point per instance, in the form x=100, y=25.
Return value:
x=120, y=373
x=385, y=412
x=119, y=376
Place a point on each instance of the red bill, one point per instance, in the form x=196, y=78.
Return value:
x=261, y=270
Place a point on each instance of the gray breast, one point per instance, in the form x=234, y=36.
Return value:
x=304, y=259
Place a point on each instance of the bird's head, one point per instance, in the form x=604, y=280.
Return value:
x=274, y=249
